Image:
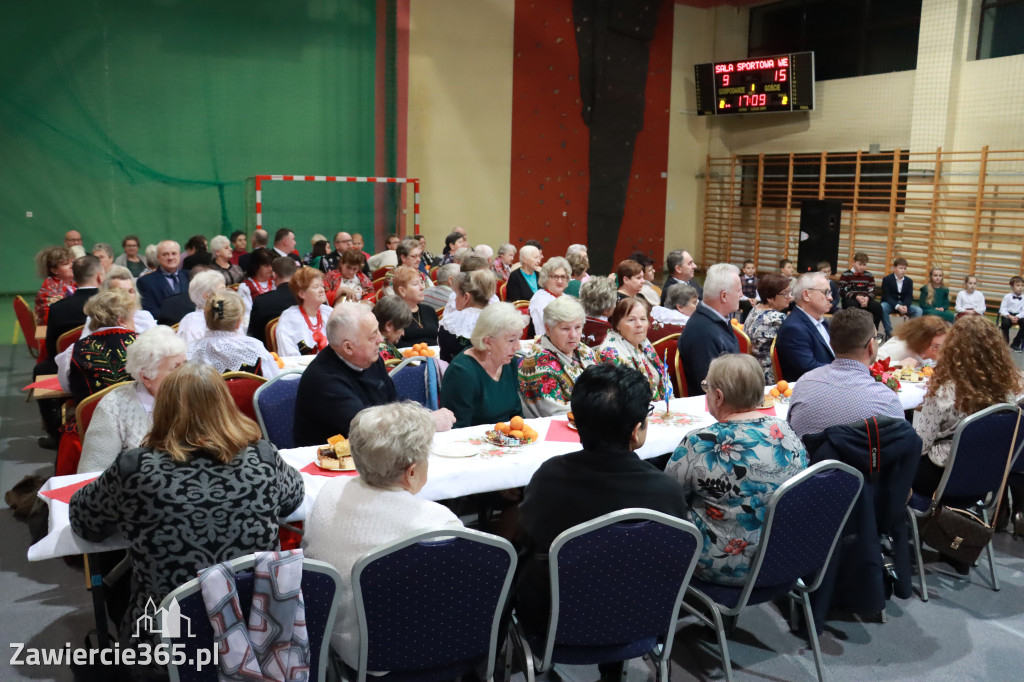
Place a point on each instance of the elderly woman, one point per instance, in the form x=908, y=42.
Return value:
x=121, y=278
x=259, y=277
x=55, y=266
x=480, y=385
x=201, y=287
x=522, y=282
x=349, y=276
x=393, y=317
x=224, y=346
x=765, y=318
x=408, y=286
x=98, y=360
x=390, y=448
x=579, y=263
x=975, y=370
x=627, y=344
x=730, y=469
x=553, y=279
x=222, y=252
x=473, y=292
x=501, y=266
x=300, y=330
x=129, y=257
x=105, y=252
x=202, y=489
x=409, y=253
x=598, y=298
x=630, y=276
x=125, y=415
x=680, y=302
x=918, y=341
x=549, y=371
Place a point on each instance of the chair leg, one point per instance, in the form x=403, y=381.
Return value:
x=812, y=635
x=991, y=556
x=916, y=539
x=723, y=643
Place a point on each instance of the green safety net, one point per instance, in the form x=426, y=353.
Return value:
x=152, y=117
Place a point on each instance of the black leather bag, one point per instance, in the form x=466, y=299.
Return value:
x=957, y=533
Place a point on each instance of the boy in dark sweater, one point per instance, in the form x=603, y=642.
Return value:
x=857, y=287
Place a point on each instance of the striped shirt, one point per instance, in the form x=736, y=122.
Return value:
x=842, y=392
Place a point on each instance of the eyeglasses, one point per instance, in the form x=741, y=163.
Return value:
x=558, y=277
x=704, y=385
x=650, y=410
x=785, y=294
x=827, y=293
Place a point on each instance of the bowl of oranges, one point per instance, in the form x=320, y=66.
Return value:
x=513, y=434
x=780, y=392
x=419, y=350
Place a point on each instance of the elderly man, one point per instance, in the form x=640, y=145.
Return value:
x=260, y=238
x=343, y=241
x=284, y=245
x=165, y=281
x=803, y=340
x=437, y=296
x=387, y=257
x=680, y=268
x=843, y=391
x=271, y=304
x=708, y=333
x=72, y=238
x=346, y=377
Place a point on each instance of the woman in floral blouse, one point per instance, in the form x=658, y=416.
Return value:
x=54, y=265
x=548, y=373
x=729, y=470
x=764, y=320
x=627, y=344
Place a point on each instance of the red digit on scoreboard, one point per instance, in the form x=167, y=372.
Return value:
x=780, y=75
x=725, y=80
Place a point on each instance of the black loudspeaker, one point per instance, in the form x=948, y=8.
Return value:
x=819, y=233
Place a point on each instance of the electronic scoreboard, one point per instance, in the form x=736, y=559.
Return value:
x=759, y=85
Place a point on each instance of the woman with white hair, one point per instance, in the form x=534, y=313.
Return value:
x=120, y=277
x=553, y=279
x=351, y=516
x=222, y=252
x=480, y=385
x=224, y=346
x=549, y=371
x=522, y=283
x=484, y=251
x=124, y=416
x=501, y=265
x=680, y=302
x=473, y=291
x=201, y=287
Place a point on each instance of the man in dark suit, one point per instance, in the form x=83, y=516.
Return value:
x=708, y=333
x=259, y=241
x=284, y=245
x=271, y=304
x=898, y=295
x=680, y=268
x=346, y=377
x=803, y=339
x=165, y=281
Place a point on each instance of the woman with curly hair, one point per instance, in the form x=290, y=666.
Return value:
x=975, y=370
x=916, y=342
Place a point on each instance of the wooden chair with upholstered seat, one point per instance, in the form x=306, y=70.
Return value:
x=83, y=413
x=270, y=335
x=68, y=338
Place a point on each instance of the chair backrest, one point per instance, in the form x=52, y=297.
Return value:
x=448, y=586
x=274, y=402
x=977, y=456
x=83, y=413
x=68, y=338
x=776, y=365
x=319, y=587
x=658, y=331
x=242, y=386
x=524, y=308
x=433, y=274
x=741, y=338
x=802, y=524
x=27, y=322
x=667, y=348
x=502, y=286
x=415, y=379
x=619, y=578
x=380, y=272
x=379, y=283
x=270, y=335
x=679, y=376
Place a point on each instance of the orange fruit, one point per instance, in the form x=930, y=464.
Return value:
x=274, y=355
x=502, y=427
x=775, y=393
x=788, y=393
x=530, y=434
x=407, y=353
x=429, y=353
x=516, y=423
x=782, y=385
x=515, y=433
x=280, y=363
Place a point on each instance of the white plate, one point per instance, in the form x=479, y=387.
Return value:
x=458, y=450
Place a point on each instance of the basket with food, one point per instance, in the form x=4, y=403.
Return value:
x=514, y=434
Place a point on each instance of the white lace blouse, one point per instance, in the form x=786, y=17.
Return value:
x=230, y=352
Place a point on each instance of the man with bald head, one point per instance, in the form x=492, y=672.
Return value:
x=72, y=238
x=165, y=281
x=342, y=242
x=346, y=377
x=260, y=239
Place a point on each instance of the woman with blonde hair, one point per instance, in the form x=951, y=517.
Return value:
x=408, y=286
x=120, y=277
x=473, y=291
x=202, y=489
x=98, y=360
x=918, y=341
x=224, y=347
x=935, y=296
x=975, y=370
x=301, y=330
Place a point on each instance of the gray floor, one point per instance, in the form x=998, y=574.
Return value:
x=966, y=630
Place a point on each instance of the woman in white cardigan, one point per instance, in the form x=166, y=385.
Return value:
x=124, y=416
x=552, y=280
x=351, y=516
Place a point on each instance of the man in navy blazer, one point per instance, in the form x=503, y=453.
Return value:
x=166, y=281
x=708, y=333
x=803, y=341
x=898, y=295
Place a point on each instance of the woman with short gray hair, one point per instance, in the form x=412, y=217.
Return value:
x=549, y=371
x=200, y=287
x=220, y=247
x=598, y=298
x=480, y=385
x=553, y=279
x=745, y=452
x=124, y=416
x=351, y=516
x=501, y=266
x=680, y=303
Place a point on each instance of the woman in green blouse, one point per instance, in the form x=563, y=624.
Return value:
x=481, y=385
x=935, y=296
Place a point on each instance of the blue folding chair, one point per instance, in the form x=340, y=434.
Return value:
x=975, y=468
x=616, y=585
x=416, y=379
x=274, y=402
x=429, y=605
x=319, y=586
x=802, y=524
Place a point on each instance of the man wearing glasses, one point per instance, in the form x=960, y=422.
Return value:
x=803, y=340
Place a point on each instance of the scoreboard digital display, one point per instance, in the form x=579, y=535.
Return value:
x=759, y=85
